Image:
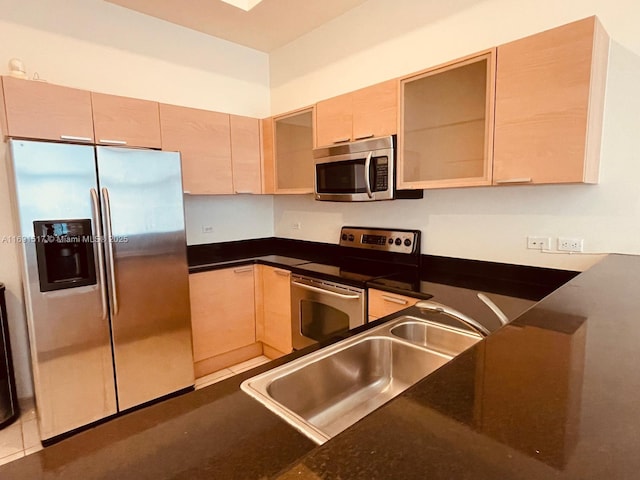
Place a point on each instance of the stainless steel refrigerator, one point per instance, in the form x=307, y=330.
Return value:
x=105, y=278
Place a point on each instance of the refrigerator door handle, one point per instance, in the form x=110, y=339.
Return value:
x=109, y=244
x=103, y=279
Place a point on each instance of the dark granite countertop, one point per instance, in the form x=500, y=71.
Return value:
x=217, y=432
x=435, y=273
x=452, y=291
x=552, y=395
x=272, y=260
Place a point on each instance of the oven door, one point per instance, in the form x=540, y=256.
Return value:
x=321, y=309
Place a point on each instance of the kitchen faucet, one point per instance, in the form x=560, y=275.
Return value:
x=431, y=306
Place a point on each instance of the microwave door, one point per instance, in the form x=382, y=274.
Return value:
x=355, y=177
x=343, y=179
x=367, y=175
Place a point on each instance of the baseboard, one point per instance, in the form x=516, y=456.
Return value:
x=227, y=359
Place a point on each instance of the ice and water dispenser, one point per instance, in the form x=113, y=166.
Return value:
x=64, y=251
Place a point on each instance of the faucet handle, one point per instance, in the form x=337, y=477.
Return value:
x=494, y=308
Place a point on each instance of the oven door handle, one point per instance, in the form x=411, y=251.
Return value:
x=367, y=176
x=328, y=292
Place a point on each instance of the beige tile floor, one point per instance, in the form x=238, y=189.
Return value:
x=22, y=437
x=230, y=372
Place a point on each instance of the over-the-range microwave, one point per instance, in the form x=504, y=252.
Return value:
x=359, y=171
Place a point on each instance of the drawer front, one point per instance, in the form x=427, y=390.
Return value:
x=385, y=303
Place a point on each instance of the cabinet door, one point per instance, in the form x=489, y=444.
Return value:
x=276, y=305
x=549, y=103
x=268, y=155
x=203, y=140
x=222, y=311
x=293, y=141
x=334, y=120
x=375, y=110
x=245, y=154
x=446, y=135
x=44, y=111
x=383, y=303
x=125, y=121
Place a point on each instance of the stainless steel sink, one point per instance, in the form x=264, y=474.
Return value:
x=443, y=340
x=326, y=391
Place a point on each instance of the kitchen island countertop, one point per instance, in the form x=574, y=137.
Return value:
x=554, y=394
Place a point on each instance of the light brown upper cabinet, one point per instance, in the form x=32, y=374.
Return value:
x=549, y=105
x=268, y=155
x=365, y=113
x=45, y=111
x=125, y=121
x=203, y=140
x=288, y=152
x=446, y=124
x=334, y=120
x=245, y=154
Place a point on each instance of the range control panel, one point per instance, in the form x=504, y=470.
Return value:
x=397, y=241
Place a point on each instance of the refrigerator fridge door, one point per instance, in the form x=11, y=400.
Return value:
x=56, y=199
x=147, y=272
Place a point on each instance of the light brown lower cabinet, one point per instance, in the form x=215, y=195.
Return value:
x=383, y=303
x=237, y=314
x=273, y=310
x=223, y=318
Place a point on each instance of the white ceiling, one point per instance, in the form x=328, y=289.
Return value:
x=268, y=25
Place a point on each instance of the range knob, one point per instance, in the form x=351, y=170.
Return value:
x=398, y=241
x=390, y=241
x=344, y=236
x=351, y=238
x=407, y=243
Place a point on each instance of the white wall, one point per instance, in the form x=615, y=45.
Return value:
x=95, y=45
x=383, y=39
x=98, y=46
x=232, y=217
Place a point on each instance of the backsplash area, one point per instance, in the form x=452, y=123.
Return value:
x=225, y=218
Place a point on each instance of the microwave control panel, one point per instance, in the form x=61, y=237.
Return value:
x=397, y=241
x=381, y=173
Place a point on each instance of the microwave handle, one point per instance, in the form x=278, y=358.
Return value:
x=367, y=176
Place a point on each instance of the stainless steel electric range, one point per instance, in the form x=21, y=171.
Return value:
x=330, y=298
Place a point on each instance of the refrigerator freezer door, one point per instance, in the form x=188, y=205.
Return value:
x=148, y=273
x=68, y=328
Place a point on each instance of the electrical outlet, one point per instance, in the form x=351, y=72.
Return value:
x=539, y=243
x=570, y=244
x=207, y=229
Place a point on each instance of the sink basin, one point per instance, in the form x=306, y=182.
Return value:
x=326, y=391
x=433, y=337
x=333, y=391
